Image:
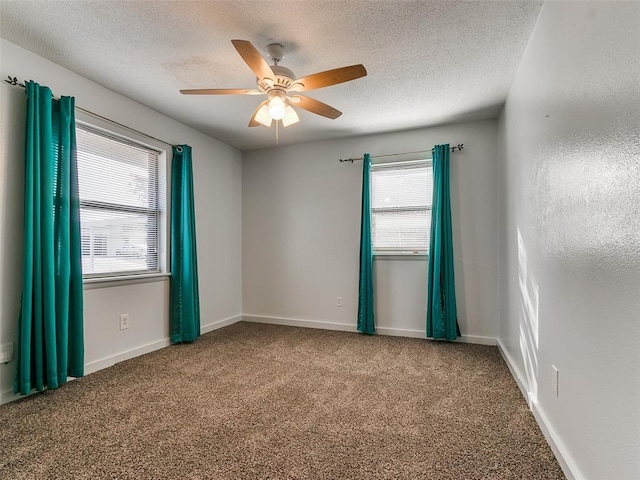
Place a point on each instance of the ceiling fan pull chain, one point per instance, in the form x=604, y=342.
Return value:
x=277, y=139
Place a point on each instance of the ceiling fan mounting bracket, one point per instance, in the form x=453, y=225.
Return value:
x=275, y=52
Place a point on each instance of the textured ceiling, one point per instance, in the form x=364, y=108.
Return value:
x=428, y=62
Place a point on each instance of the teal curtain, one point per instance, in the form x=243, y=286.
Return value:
x=441, y=297
x=184, y=302
x=365, y=298
x=50, y=332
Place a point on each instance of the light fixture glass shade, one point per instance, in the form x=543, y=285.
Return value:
x=290, y=116
x=276, y=108
x=263, y=117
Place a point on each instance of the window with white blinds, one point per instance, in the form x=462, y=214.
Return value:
x=401, y=196
x=120, y=205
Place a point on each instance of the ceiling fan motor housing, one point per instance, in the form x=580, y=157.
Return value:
x=284, y=79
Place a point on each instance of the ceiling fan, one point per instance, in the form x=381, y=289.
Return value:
x=281, y=86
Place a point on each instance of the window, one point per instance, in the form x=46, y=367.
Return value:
x=121, y=205
x=401, y=196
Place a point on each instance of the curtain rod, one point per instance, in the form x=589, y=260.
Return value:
x=458, y=147
x=14, y=81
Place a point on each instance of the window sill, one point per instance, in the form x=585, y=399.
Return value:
x=401, y=256
x=103, y=282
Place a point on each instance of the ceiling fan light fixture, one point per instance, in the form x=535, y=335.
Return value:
x=263, y=117
x=277, y=108
x=276, y=82
x=290, y=116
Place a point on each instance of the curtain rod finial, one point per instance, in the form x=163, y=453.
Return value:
x=14, y=81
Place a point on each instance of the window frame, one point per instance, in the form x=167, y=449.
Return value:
x=160, y=194
x=399, y=253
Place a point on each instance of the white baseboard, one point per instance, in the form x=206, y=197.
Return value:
x=477, y=340
x=566, y=461
x=400, y=332
x=567, y=464
x=294, y=322
x=96, y=365
x=150, y=347
x=209, y=327
x=9, y=396
x=111, y=360
x=515, y=373
x=394, y=332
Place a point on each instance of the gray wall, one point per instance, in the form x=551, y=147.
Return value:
x=301, y=234
x=569, y=232
x=217, y=182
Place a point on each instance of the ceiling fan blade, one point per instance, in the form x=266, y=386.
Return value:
x=253, y=122
x=328, y=78
x=221, y=91
x=315, y=106
x=252, y=57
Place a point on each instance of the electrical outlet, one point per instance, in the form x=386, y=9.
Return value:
x=124, y=321
x=338, y=301
x=554, y=380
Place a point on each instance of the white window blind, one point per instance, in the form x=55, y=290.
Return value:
x=119, y=205
x=401, y=196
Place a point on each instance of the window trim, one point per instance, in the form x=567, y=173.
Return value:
x=92, y=283
x=161, y=194
x=401, y=256
x=396, y=253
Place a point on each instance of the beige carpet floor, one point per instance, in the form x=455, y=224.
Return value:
x=254, y=401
